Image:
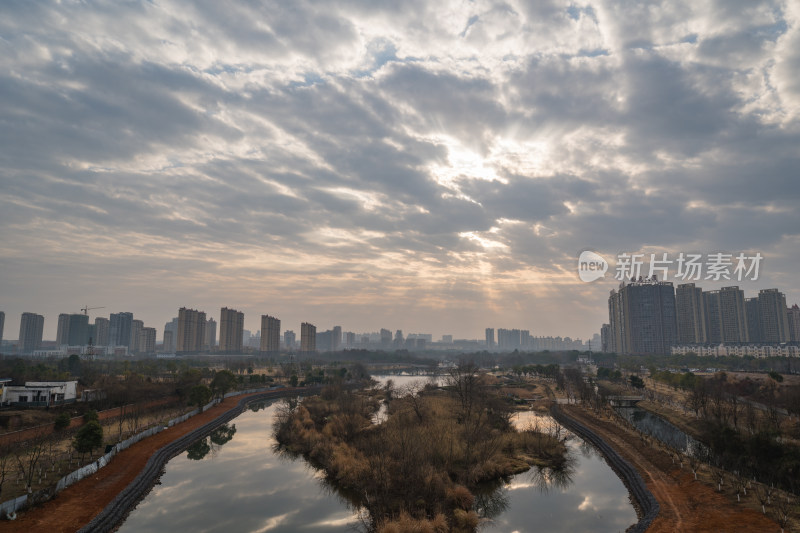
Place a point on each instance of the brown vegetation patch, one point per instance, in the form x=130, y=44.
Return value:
x=78, y=504
x=686, y=504
x=415, y=471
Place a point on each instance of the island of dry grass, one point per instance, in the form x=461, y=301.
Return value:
x=417, y=469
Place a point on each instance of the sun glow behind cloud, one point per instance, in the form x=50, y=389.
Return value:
x=397, y=162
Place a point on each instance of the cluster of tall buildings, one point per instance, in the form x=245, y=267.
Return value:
x=521, y=339
x=650, y=316
x=192, y=332
x=120, y=332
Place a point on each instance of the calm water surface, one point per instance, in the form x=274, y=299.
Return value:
x=235, y=481
x=654, y=425
x=242, y=485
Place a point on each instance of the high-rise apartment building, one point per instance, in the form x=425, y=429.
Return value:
x=73, y=330
x=726, y=316
x=191, y=330
x=734, y=317
x=31, y=326
x=169, y=341
x=773, y=316
x=398, y=338
x=102, y=328
x=246, y=334
x=255, y=340
x=289, y=339
x=136, y=330
x=713, y=317
x=690, y=314
x=270, y=334
x=91, y=334
x=78, y=330
x=210, y=342
x=605, y=338
x=336, y=338
x=120, y=325
x=2, y=325
x=231, y=330
x=308, y=337
x=524, y=338
x=386, y=337
x=793, y=315
x=171, y=335
x=753, y=318
x=509, y=339
x=147, y=341
x=62, y=331
x=642, y=317
x=489, y=338
x=324, y=342
x=617, y=327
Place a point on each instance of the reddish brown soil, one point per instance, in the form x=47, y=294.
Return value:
x=77, y=505
x=29, y=433
x=686, y=504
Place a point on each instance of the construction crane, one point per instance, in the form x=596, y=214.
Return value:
x=90, y=347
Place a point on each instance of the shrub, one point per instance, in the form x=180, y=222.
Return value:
x=62, y=422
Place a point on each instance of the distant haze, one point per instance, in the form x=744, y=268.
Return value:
x=435, y=167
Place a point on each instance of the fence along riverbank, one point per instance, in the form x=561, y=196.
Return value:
x=630, y=477
x=8, y=508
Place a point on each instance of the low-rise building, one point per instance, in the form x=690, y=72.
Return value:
x=41, y=393
x=738, y=350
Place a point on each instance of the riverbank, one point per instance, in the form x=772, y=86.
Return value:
x=77, y=505
x=691, y=426
x=685, y=504
x=421, y=466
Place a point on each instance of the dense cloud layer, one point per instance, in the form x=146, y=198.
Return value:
x=431, y=166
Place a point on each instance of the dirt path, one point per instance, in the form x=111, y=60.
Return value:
x=686, y=504
x=74, y=507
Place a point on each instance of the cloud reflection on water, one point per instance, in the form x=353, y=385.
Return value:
x=249, y=486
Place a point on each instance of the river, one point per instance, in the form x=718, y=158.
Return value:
x=664, y=431
x=236, y=481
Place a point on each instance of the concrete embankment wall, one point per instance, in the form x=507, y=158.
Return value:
x=627, y=473
x=11, y=506
x=121, y=505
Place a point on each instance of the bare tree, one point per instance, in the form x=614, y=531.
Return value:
x=7, y=464
x=750, y=417
x=734, y=407
x=697, y=400
x=762, y=495
x=465, y=381
x=28, y=456
x=740, y=484
x=412, y=393
x=694, y=464
x=719, y=476
x=783, y=512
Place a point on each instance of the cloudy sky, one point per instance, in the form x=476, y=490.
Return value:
x=434, y=166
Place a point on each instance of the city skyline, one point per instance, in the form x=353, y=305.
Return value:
x=697, y=313
x=648, y=316
x=435, y=165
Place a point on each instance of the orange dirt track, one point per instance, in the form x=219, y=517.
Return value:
x=686, y=504
x=74, y=507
